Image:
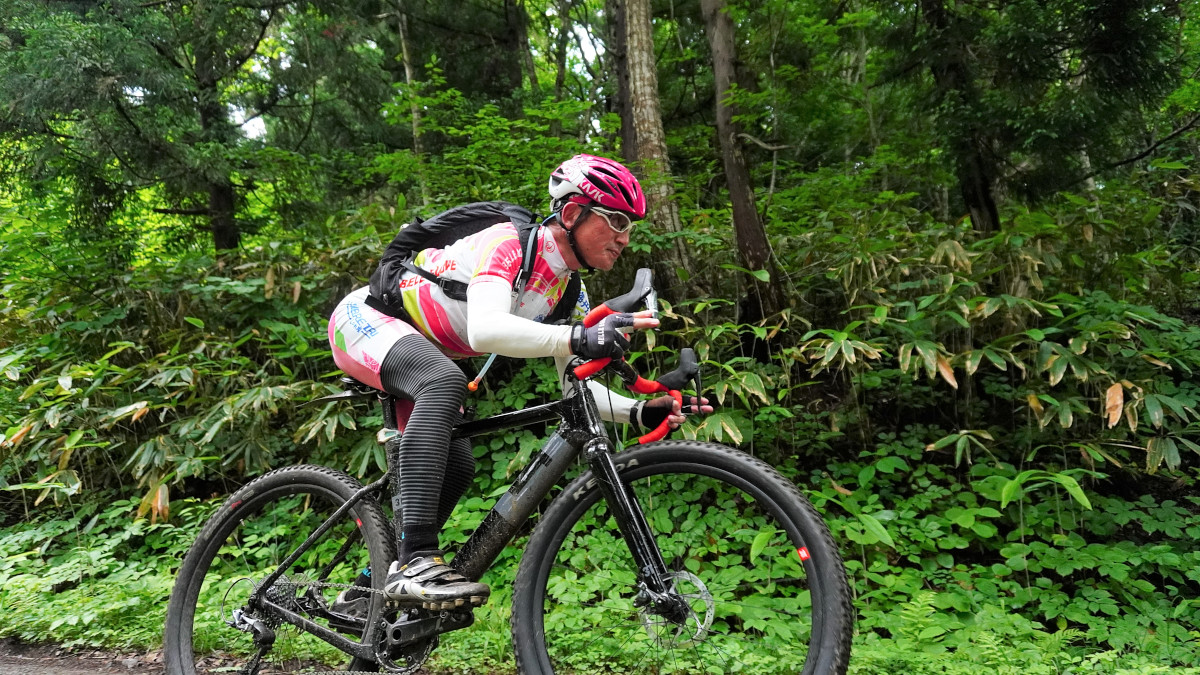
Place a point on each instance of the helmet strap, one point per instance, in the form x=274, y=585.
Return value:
x=571, y=236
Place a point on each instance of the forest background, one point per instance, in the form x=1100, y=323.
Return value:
x=939, y=258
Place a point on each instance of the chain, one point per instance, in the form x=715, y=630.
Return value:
x=304, y=581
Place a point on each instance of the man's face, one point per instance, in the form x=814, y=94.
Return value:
x=597, y=242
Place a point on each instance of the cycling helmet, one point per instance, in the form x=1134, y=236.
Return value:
x=586, y=179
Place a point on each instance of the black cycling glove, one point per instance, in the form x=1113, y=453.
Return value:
x=603, y=339
x=648, y=416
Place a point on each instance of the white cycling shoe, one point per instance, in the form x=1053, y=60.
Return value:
x=427, y=581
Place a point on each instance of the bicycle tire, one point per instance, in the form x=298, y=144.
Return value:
x=759, y=564
x=247, y=537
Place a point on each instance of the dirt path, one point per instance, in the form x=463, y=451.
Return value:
x=17, y=658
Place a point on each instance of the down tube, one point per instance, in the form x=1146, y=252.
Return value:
x=515, y=507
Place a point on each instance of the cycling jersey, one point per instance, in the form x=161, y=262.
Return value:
x=491, y=256
x=487, y=262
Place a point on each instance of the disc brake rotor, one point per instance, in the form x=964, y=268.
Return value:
x=694, y=628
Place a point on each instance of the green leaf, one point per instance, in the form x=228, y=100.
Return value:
x=928, y=352
x=759, y=543
x=995, y=358
x=1073, y=489
x=1154, y=410
x=1012, y=492
x=931, y=632
x=1170, y=453
x=1057, y=369
x=73, y=438
x=876, y=529
x=762, y=275
x=973, y=360
x=752, y=383
x=943, y=442
x=1167, y=164
x=866, y=475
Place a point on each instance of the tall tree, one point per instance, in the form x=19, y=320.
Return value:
x=526, y=48
x=652, y=159
x=201, y=101
x=410, y=79
x=957, y=89
x=618, y=50
x=751, y=237
x=1028, y=94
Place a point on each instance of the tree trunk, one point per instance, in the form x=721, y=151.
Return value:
x=221, y=206
x=618, y=51
x=526, y=51
x=214, y=125
x=560, y=58
x=560, y=47
x=649, y=137
x=410, y=79
x=752, y=241
x=952, y=77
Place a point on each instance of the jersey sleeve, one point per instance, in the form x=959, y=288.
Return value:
x=491, y=327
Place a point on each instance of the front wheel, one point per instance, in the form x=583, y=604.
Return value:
x=247, y=538
x=751, y=562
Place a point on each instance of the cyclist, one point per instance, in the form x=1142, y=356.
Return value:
x=594, y=203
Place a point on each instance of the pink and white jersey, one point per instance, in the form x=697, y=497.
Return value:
x=489, y=255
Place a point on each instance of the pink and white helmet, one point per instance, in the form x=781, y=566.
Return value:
x=587, y=179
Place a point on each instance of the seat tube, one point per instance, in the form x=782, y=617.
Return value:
x=631, y=520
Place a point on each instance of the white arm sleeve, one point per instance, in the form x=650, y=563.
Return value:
x=613, y=406
x=492, y=327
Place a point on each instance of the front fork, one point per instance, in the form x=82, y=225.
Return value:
x=654, y=580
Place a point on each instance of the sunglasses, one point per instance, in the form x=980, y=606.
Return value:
x=617, y=221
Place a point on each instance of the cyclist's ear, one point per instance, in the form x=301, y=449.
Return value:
x=576, y=209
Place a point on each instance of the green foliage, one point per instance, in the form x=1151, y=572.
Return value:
x=125, y=380
x=1001, y=426
x=92, y=574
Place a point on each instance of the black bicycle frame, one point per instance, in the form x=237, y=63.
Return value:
x=582, y=432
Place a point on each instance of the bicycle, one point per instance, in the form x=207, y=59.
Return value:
x=676, y=556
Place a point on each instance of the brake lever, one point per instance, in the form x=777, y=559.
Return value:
x=688, y=370
x=643, y=290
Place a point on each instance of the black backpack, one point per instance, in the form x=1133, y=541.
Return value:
x=446, y=228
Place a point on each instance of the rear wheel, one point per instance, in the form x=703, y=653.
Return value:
x=247, y=539
x=757, y=580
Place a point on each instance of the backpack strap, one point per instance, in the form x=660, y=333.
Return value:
x=453, y=289
x=527, y=235
x=566, y=304
x=394, y=311
x=528, y=228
